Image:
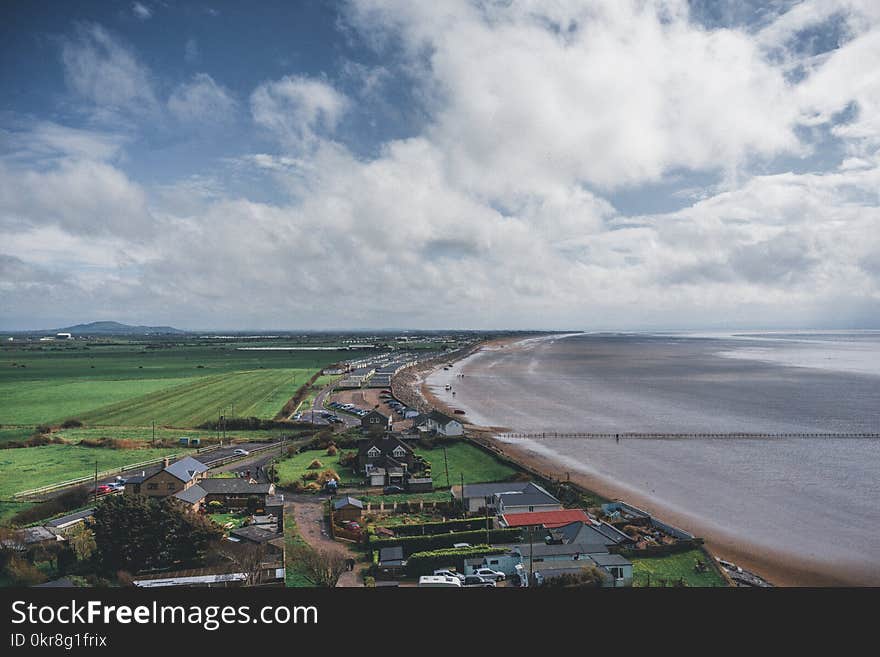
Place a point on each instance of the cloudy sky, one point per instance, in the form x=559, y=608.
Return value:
x=389, y=163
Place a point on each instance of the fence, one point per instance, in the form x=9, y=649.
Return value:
x=557, y=434
x=42, y=490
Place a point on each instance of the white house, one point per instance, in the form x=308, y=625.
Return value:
x=441, y=423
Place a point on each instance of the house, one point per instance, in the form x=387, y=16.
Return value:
x=419, y=485
x=347, y=508
x=546, y=519
x=32, y=538
x=542, y=553
x=191, y=497
x=375, y=422
x=234, y=493
x=388, y=454
x=594, y=532
x=170, y=480
x=440, y=423
x=481, y=497
x=526, y=500
x=71, y=520
x=619, y=569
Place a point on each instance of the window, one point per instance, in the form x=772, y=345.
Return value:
x=399, y=451
x=616, y=572
x=373, y=451
x=374, y=420
x=170, y=485
x=152, y=486
x=531, y=508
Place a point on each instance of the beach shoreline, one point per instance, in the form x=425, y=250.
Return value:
x=778, y=567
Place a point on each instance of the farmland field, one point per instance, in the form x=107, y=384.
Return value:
x=200, y=400
x=33, y=467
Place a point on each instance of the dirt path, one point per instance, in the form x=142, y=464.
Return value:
x=309, y=514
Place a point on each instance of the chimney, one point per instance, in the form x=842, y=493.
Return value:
x=166, y=462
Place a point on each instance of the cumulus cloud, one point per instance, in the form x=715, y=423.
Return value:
x=202, y=100
x=141, y=11
x=295, y=109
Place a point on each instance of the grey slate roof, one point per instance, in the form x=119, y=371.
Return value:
x=255, y=534
x=70, y=518
x=191, y=495
x=543, y=550
x=531, y=495
x=488, y=490
x=233, y=486
x=610, y=560
x=347, y=501
x=186, y=468
x=391, y=556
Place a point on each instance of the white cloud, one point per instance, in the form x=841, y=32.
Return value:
x=202, y=100
x=141, y=11
x=102, y=71
x=296, y=109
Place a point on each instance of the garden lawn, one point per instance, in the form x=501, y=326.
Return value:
x=293, y=468
x=435, y=496
x=477, y=466
x=32, y=467
x=673, y=567
x=222, y=518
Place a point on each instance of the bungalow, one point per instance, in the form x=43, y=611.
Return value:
x=581, y=532
x=375, y=422
x=347, y=508
x=546, y=519
x=234, y=493
x=439, y=423
x=526, y=500
x=481, y=497
x=170, y=480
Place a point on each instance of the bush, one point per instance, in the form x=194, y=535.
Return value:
x=24, y=573
x=309, y=476
x=332, y=451
x=412, y=544
x=215, y=505
x=441, y=527
x=425, y=563
x=315, y=465
x=327, y=475
x=44, y=428
x=70, y=500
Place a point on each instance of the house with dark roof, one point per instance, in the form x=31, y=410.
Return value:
x=170, y=480
x=385, y=460
x=594, y=532
x=439, y=423
x=391, y=561
x=375, y=422
x=191, y=497
x=526, y=500
x=235, y=492
x=481, y=497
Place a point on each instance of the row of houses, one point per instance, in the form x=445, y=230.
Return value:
x=434, y=422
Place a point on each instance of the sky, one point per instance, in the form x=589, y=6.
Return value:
x=554, y=164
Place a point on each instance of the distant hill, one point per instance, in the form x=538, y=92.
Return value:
x=115, y=328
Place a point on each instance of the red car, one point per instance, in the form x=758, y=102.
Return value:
x=103, y=489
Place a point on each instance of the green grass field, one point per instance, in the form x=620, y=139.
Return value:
x=656, y=570
x=477, y=466
x=32, y=467
x=244, y=393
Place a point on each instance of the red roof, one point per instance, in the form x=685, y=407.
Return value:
x=549, y=519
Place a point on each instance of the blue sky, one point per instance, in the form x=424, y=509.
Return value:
x=372, y=163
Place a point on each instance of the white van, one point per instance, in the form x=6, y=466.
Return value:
x=439, y=581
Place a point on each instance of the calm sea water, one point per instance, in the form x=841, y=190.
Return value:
x=817, y=498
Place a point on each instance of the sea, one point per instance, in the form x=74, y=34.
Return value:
x=816, y=498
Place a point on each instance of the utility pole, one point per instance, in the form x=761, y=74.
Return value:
x=531, y=552
x=462, y=488
x=154, y=433
x=96, y=481
x=446, y=461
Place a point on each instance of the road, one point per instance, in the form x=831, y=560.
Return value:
x=308, y=510
x=313, y=416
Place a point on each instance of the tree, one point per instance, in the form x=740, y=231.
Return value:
x=136, y=533
x=82, y=541
x=320, y=567
x=248, y=558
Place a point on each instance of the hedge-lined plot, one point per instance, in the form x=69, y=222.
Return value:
x=188, y=405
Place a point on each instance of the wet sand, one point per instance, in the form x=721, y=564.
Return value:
x=778, y=566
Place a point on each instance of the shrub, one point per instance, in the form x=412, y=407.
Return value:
x=310, y=476
x=327, y=475
x=347, y=458
x=315, y=465
x=71, y=424
x=44, y=428
x=425, y=563
x=215, y=505
x=412, y=544
x=24, y=573
x=332, y=451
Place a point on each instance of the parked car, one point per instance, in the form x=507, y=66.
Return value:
x=434, y=581
x=461, y=545
x=475, y=580
x=103, y=489
x=241, y=452
x=392, y=490
x=445, y=572
x=116, y=485
x=488, y=573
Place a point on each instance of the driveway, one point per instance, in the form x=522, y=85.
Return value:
x=308, y=510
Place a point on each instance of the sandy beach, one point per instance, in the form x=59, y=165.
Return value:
x=777, y=566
